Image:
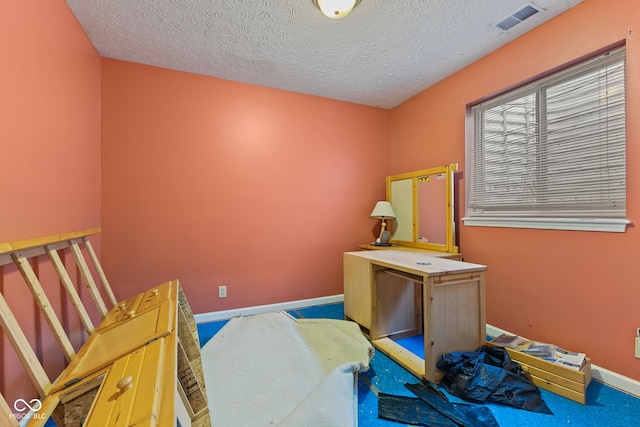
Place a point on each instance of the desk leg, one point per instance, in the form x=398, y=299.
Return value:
x=374, y=331
x=427, y=314
x=418, y=307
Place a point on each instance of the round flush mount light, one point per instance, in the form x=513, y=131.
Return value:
x=336, y=9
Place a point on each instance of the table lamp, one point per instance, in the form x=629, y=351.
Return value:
x=383, y=210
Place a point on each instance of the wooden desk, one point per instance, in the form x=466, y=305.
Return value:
x=357, y=281
x=395, y=294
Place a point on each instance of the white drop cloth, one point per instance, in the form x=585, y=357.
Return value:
x=273, y=370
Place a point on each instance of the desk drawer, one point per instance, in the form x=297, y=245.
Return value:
x=139, y=304
x=127, y=393
x=106, y=346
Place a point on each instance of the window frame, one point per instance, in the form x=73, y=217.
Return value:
x=562, y=221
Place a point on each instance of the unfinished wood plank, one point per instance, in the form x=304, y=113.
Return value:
x=430, y=330
x=71, y=290
x=576, y=396
x=184, y=306
x=5, y=259
x=191, y=390
x=98, y=266
x=7, y=418
x=404, y=357
x=88, y=278
x=31, y=252
x=397, y=315
x=22, y=347
x=545, y=365
x=45, y=306
x=191, y=349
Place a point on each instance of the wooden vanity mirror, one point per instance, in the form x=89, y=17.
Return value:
x=423, y=204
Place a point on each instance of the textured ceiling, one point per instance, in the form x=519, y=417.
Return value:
x=383, y=53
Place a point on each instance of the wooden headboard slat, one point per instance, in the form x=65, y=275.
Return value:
x=21, y=254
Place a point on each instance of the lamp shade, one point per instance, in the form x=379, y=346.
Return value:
x=383, y=210
x=336, y=9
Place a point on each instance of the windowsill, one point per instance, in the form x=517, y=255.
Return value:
x=609, y=225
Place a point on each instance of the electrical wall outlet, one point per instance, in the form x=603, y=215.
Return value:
x=222, y=291
x=638, y=347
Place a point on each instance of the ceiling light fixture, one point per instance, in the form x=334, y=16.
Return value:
x=336, y=9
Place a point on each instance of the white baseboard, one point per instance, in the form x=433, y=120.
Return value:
x=598, y=373
x=248, y=311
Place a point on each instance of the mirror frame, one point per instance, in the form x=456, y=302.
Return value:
x=447, y=170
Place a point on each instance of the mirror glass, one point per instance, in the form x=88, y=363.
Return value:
x=432, y=209
x=423, y=204
x=401, y=199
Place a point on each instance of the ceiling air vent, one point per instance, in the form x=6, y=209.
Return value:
x=517, y=17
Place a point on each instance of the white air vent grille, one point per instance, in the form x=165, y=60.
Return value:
x=518, y=16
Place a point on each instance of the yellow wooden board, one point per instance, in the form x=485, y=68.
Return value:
x=129, y=395
x=44, y=241
x=104, y=347
x=139, y=304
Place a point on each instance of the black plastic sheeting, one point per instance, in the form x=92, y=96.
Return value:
x=461, y=414
x=432, y=408
x=489, y=375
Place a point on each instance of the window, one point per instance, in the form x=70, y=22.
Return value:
x=552, y=153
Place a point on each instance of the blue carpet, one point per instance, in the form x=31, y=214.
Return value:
x=606, y=406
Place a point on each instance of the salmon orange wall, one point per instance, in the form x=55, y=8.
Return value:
x=222, y=183
x=575, y=289
x=50, y=162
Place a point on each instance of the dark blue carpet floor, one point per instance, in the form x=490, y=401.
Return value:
x=606, y=406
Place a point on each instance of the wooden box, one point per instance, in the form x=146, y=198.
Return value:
x=558, y=379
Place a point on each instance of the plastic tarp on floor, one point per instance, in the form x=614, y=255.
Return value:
x=273, y=370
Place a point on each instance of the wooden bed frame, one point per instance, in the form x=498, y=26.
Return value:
x=155, y=329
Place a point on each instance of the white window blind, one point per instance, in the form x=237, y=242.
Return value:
x=552, y=154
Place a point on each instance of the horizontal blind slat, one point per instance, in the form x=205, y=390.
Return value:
x=556, y=147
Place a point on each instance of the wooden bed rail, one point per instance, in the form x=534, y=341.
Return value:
x=20, y=254
x=147, y=344
x=6, y=416
x=40, y=242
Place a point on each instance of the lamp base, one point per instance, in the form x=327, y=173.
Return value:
x=381, y=244
x=385, y=237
